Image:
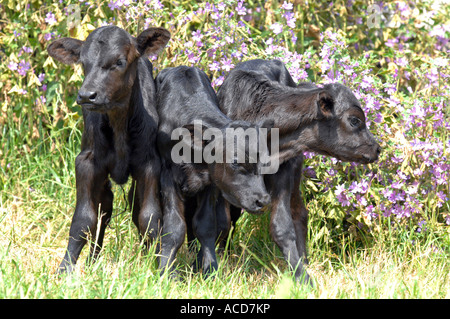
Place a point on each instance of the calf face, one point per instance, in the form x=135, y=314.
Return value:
x=236, y=174
x=341, y=130
x=109, y=58
x=239, y=179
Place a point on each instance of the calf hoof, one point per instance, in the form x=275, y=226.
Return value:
x=171, y=274
x=304, y=279
x=210, y=271
x=196, y=267
x=65, y=269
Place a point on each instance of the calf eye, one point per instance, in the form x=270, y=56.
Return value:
x=119, y=62
x=354, y=121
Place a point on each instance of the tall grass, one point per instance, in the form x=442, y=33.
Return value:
x=34, y=225
x=32, y=247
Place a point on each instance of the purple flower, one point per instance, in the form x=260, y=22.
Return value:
x=343, y=200
x=41, y=77
x=12, y=66
x=218, y=82
x=41, y=100
x=241, y=10
x=391, y=42
x=389, y=195
x=192, y=58
x=24, y=49
x=277, y=28
x=401, y=61
x=157, y=5
x=114, y=5
x=371, y=213
x=50, y=18
x=397, y=185
x=378, y=118
x=287, y=5
x=356, y=187
x=309, y=172
x=197, y=35
x=215, y=66
x=27, y=49
x=48, y=36
x=227, y=65
x=341, y=196
x=229, y=39
x=24, y=66
x=420, y=224
x=361, y=200
x=221, y=6
x=244, y=48
x=442, y=198
x=367, y=82
x=290, y=19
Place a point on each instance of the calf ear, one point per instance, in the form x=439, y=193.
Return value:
x=65, y=50
x=325, y=104
x=152, y=41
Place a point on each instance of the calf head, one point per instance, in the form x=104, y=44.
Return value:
x=231, y=161
x=340, y=130
x=109, y=58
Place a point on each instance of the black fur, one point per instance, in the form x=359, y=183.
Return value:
x=309, y=118
x=190, y=190
x=119, y=136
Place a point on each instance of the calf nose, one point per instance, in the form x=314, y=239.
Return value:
x=378, y=150
x=263, y=201
x=86, y=97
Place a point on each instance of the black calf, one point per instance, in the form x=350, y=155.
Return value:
x=120, y=125
x=190, y=187
x=326, y=120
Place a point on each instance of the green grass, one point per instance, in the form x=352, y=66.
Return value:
x=32, y=247
x=35, y=216
x=36, y=206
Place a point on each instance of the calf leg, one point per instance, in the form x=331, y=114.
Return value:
x=227, y=216
x=282, y=226
x=93, y=194
x=174, y=225
x=204, y=226
x=300, y=219
x=299, y=211
x=223, y=222
x=135, y=206
x=106, y=205
x=283, y=233
x=190, y=207
x=147, y=207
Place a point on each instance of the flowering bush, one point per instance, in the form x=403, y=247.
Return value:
x=398, y=69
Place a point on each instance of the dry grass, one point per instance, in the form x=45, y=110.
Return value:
x=32, y=245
